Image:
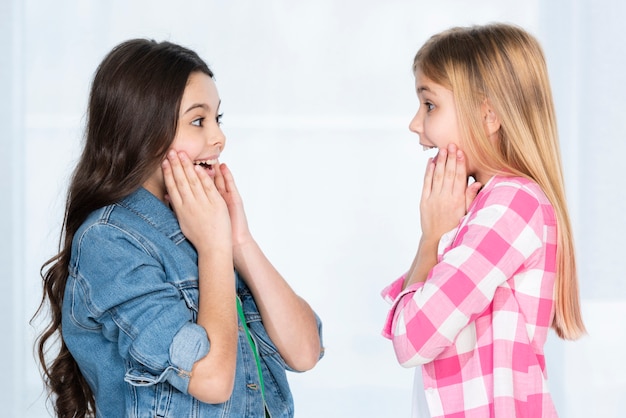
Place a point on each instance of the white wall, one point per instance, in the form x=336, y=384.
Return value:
x=317, y=98
x=587, y=53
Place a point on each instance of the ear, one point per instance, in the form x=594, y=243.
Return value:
x=491, y=121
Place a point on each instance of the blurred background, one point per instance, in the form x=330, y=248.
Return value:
x=317, y=98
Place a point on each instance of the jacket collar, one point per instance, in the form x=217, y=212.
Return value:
x=148, y=207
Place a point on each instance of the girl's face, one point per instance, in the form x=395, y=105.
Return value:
x=198, y=133
x=436, y=121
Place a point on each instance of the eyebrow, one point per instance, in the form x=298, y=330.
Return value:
x=195, y=106
x=201, y=105
x=421, y=89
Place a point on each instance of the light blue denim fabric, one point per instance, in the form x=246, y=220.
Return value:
x=129, y=314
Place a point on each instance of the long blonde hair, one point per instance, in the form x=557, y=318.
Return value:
x=505, y=65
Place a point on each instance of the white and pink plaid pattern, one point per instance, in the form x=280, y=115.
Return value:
x=479, y=322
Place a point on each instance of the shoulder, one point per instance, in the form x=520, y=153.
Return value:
x=509, y=208
x=114, y=231
x=522, y=185
x=109, y=221
x=516, y=195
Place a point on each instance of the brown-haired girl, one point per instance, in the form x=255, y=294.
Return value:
x=164, y=303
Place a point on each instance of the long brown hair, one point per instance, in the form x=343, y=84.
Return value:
x=505, y=65
x=131, y=121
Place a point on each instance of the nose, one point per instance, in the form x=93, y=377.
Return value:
x=416, y=125
x=217, y=139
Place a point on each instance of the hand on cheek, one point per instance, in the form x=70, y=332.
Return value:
x=444, y=194
x=199, y=207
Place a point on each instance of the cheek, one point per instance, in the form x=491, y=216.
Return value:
x=447, y=131
x=184, y=142
x=438, y=133
x=177, y=142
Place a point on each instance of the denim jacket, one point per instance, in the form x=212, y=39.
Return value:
x=129, y=320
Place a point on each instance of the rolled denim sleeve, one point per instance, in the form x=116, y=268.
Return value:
x=189, y=345
x=138, y=307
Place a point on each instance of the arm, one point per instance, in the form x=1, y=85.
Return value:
x=204, y=220
x=287, y=318
x=502, y=233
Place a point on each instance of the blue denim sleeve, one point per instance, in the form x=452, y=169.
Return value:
x=190, y=344
x=141, y=306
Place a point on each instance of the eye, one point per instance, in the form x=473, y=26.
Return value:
x=197, y=122
x=219, y=117
x=429, y=106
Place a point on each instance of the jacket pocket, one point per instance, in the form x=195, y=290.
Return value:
x=189, y=292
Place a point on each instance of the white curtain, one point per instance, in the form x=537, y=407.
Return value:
x=317, y=99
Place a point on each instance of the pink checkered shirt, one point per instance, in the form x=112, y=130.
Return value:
x=479, y=322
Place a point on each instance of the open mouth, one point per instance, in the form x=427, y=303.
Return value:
x=205, y=165
x=208, y=165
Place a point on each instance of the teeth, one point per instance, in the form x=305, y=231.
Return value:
x=205, y=162
x=427, y=148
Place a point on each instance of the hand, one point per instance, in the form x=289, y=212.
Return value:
x=225, y=184
x=199, y=207
x=445, y=195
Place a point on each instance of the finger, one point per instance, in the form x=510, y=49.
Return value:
x=200, y=177
x=181, y=183
x=200, y=184
x=460, y=181
x=428, y=179
x=471, y=193
x=439, y=172
x=229, y=180
x=170, y=182
x=209, y=187
x=219, y=180
x=450, y=169
x=192, y=174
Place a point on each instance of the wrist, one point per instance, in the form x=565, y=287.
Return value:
x=243, y=240
x=221, y=250
x=429, y=241
x=243, y=247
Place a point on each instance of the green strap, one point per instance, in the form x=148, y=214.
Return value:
x=255, y=351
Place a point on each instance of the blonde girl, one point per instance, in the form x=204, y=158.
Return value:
x=495, y=266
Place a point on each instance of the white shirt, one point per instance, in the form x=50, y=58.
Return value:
x=420, y=407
